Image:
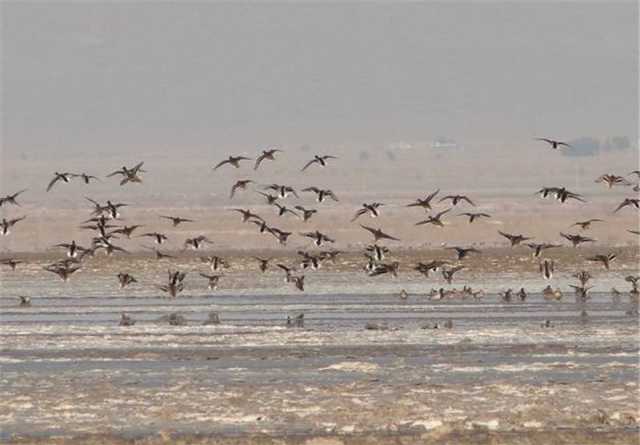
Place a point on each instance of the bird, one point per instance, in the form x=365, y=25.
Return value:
x=213, y=280
x=551, y=294
x=64, y=177
x=175, y=283
x=546, y=269
x=298, y=282
x=372, y=209
x=269, y=197
x=318, y=237
x=310, y=261
x=378, y=234
x=126, y=320
x=129, y=174
x=586, y=225
x=283, y=210
x=455, y=199
x=85, y=177
x=583, y=276
x=448, y=273
x=306, y=213
x=376, y=252
x=64, y=271
x=462, y=252
x=125, y=279
x=426, y=202
x=431, y=266
x=24, y=301
x=232, y=160
x=522, y=294
x=262, y=226
x=561, y=194
x=268, y=154
x=11, y=262
x=287, y=271
x=506, y=296
x=197, y=242
x=263, y=263
x=606, y=260
x=280, y=235
x=7, y=224
x=126, y=230
x=514, y=239
x=320, y=160
x=247, y=215
x=72, y=248
x=159, y=255
x=215, y=262
x=635, y=202
x=176, y=220
x=434, y=219
x=282, y=191
x=321, y=194
x=612, y=180
x=554, y=144
x=473, y=216
x=576, y=239
x=382, y=268
x=158, y=238
x=11, y=199
x=539, y=247
x=239, y=185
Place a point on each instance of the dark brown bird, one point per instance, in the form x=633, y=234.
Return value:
x=606, y=260
x=473, y=216
x=462, y=252
x=239, y=185
x=11, y=199
x=424, y=203
x=320, y=160
x=455, y=199
x=232, y=160
x=176, y=220
x=554, y=144
x=378, y=234
x=268, y=154
x=435, y=220
x=514, y=239
x=576, y=239
x=634, y=202
x=586, y=225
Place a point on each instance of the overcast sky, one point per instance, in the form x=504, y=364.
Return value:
x=117, y=75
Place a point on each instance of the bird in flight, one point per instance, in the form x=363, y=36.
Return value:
x=176, y=220
x=239, y=185
x=554, y=144
x=64, y=177
x=372, y=209
x=514, y=239
x=232, y=160
x=378, y=234
x=268, y=154
x=424, y=203
x=435, y=220
x=11, y=199
x=586, y=225
x=473, y=216
x=455, y=199
x=321, y=160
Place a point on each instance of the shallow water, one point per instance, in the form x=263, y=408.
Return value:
x=68, y=369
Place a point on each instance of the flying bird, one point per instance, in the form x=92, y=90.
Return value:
x=424, y=203
x=64, y=177
x=514, y=239
x=372, y=209
x=232, y=160
x=320, y=160
x=268, y=154
x=11, y=199
x=435, y=220
x=378, y=234
x=554, y=144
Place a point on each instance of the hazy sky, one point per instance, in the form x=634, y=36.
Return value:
x=95, y=76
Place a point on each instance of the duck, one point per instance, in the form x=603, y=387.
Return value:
x=64, y=177
x=125, y=279
x=268, y=154
x=550, y=294
x=232, y=160
x=176, y=220
x=11, y=199
x=378, y=234
x=426, y=202
x=320, y=160
x=554, y=143
x=241, y=184
x=372, y=209
x=436, y=219
x=7, y=224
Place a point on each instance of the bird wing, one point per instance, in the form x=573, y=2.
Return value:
x=308, y=164
x=53, y=181
x=220, y=164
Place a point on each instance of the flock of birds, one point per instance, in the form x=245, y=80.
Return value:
x=107, y=225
